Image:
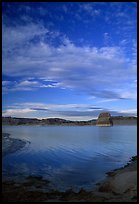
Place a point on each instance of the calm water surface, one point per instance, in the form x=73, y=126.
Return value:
x=70, y=156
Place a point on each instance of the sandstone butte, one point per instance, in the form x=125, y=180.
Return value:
x=104, y=119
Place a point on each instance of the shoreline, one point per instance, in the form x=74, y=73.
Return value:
x=70, y=125
x=115, y=120
x=120, y=185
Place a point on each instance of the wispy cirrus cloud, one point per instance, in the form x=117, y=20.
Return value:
x=6, y=83
x=71, y=66
x=89, y=9
x=26, y=85
x=26, y=112
x=73, y=111
x=55, y=107
x=67, y=111
x=20, y=35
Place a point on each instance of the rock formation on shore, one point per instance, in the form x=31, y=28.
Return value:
x=104, y=119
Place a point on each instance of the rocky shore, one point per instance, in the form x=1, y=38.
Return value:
x=119, y=186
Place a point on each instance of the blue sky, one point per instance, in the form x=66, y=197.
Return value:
x=70, y=60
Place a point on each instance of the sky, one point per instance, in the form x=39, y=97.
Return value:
x=70, y=60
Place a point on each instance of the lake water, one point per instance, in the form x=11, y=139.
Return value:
x=70, y=156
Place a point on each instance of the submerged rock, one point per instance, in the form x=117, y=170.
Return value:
x=104, y=119
x=11, y=145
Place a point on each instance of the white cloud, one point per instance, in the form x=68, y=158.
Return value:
x=96, y=71
x=86, y=6
x=18, y=112
x=107, y=39
x=55, y=107
x=130, y=111
x=107, y=100
x=5, y=83
x=21, y=34
x=89, y=9
x=129, y=94
x=48, y=86
x=66, y=111
x=27, y=85
x=42, y=110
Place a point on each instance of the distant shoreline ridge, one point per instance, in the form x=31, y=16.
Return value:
x=104, y=119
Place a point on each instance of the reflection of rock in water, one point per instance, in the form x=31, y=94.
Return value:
x=104, y=119
x=11, y=145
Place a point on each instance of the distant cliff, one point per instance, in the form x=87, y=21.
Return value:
x=48, y=121
x=124, y=120
x=107, y=120
x=19, y=121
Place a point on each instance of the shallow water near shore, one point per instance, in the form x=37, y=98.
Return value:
x=69, y=156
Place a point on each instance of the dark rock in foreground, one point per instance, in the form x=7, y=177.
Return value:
x=121, y=186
